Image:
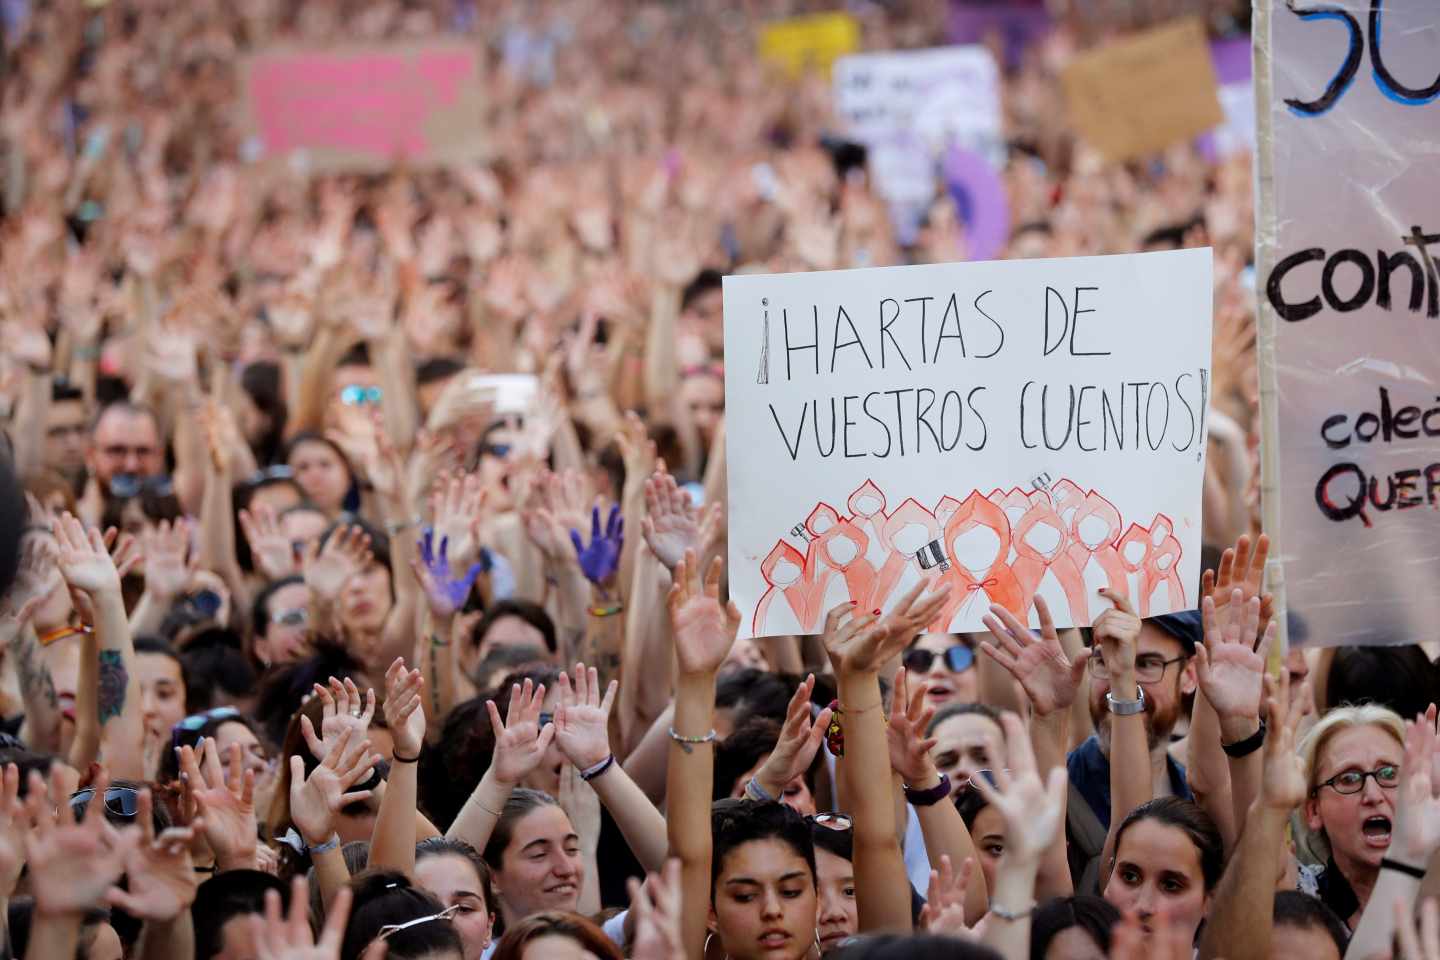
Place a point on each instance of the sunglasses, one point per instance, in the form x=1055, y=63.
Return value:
x=204, y=602
x=497, y=450
x=270, y=474
x=121, y=801
x=390, y=929
x=126, y=485
x=291, y=618
x=197, y=721
x=832, y=821
x=357, y=396
x=958, y=659
x=546, y=717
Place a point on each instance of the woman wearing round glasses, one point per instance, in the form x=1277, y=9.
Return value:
x=1352, y=758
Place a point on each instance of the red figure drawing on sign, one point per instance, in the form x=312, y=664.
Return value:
x=997, y=582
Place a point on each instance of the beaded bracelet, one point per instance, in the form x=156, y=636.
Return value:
x=607, y=611
x=688, y=743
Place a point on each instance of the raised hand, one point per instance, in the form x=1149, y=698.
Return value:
x=160, y=876
x=271, y=550
x=403, y=715
x=444, y=590
x=858, y=642
x=520, y=741
x=671, y=523
x=561, y=508
x=1030, y=808
x=457, y=505
x=944, y=910
x=327, y=568
x=582, y=720
x=1242, y=568
x=1229, y=666
x=703, y=636
x=341, y=709
x=316, y=800
x=1417, y=803
x=1283, y=783
x=84, y=561
x=168, y=566
x=910, y=715
x=1424, y=944
x=655, y=908
x=601, y=557
x=1117, y=634
x=14, y=828
x=225, y=800
x=279, y=937
x=1049, y=677
x=798, y=742
x=34, y=580
x=72, y=865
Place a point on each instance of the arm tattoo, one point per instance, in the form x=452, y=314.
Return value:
x=434, y=676
x=114, y=678
x=36, y=683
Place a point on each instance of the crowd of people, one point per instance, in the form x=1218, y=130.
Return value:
x=371, y=597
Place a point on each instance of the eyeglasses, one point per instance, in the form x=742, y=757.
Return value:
x=129, y=485
x=833, y=821
x=390, y=929
x=1387, y=777
x=958, y=659
x=121, y=801
x=357, y=396
x=1148, y=669
x=297, y=617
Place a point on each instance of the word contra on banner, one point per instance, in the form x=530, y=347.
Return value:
x=937, y=385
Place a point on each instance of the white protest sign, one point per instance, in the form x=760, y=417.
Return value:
x=1348, y=232
x=909, y=106
x=1005, y=428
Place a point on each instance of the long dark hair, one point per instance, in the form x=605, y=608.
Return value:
x=1195, y=823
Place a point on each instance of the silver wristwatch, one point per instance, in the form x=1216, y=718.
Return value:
x=1126, y=708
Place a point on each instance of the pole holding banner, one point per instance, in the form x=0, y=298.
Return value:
x=1265, y=243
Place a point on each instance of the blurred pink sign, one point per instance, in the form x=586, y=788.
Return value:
x=366, y=108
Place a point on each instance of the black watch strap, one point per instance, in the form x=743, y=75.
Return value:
x=1243, y=748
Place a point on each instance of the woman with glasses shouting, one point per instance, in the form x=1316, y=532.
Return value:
x=1352, y=762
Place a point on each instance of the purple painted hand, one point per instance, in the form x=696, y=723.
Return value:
x=445, y=591
x=600, y=559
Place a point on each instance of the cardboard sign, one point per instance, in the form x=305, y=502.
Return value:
x=908, y=108
x=1001, y=430
x=1138, y=96
x=339, y=109
x=1348, y=230
x=809, y=43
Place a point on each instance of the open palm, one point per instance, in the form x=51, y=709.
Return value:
x=1229, y=667
x=582, y=721
x=1049, y=677
x=702, y=635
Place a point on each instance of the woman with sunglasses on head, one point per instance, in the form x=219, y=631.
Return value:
x=412, y=923
x=1352, y=759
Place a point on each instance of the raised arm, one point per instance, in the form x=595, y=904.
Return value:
x=582, y=732
x=520, y=745
x=316, y=801
x=392, y=846
x=858, y=646
x=1051, y=680
x=444, y=592
x=702, y=641
x=600, y=562
x=1242, y=918
x=1117, y=632
x=1033, y=815
x=1230, y=667
x=88, y=568
x=927, y=790
x=34, y=580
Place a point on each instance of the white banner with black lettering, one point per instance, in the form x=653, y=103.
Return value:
x=1006, y=429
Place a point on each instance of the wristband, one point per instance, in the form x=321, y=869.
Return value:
x=755, y=792
x=1243, y=748
x=1127, y=708
x=332, y=844
x=396, y=758
x=590, y=773
x=930, y=796
x=607, y=611
x=1417, y=872
x=1014, y=915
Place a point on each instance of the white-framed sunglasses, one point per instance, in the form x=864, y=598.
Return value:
x=389, y=930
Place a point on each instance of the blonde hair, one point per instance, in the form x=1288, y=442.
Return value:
x=1310, y=844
